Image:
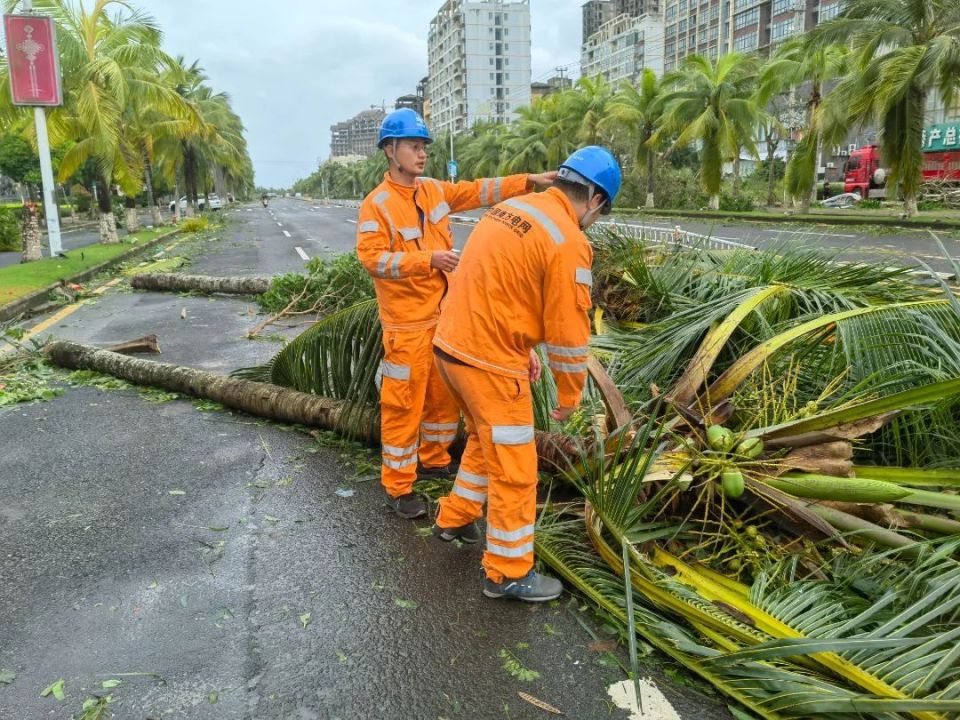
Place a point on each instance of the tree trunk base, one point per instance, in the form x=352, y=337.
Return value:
x=30, y=229
x=108, y=228
x=156, y=216
x=131, y=221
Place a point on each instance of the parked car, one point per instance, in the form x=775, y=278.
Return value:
x=215, y=203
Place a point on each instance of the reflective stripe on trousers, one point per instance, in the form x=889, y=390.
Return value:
x=499, y=465
x=411, y=394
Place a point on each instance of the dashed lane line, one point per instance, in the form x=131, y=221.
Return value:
x=301, y=253
x=287, y=233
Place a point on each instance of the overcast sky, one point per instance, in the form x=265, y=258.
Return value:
x=294, y=68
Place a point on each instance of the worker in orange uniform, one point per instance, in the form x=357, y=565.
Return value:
x=404, y=242
x=524, y=279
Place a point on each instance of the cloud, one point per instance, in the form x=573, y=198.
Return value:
x=293, y=69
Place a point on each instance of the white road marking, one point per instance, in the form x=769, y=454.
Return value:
x=654, y=704
x=287, y=233
x=279, y=224
x=351, y=221
x=301, y=253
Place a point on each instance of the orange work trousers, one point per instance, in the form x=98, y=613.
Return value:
x=418, y=417
x=499, y=466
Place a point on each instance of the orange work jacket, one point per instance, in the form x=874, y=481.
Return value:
x=398, y=230
x=524, y=279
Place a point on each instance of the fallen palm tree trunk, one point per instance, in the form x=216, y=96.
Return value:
x=262, y=399
x=206, y=284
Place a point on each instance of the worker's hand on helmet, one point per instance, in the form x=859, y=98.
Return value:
x=536, y=367
x=562, y=413
x=445, y=260
x=541, y=181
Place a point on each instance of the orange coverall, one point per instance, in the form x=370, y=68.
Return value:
x=398, y=230
x=524, y=279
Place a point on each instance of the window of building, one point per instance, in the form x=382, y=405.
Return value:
x=491, y=76
x=780, y=30
x=506, y=17
x=745, y=42
x=506, y=76
x=506, y=61
x=506, y=31
x=781, y=6
x=683, y=26
x=491, y=61
x=671, y=13
x=506, y=47
x=751, y=17
x=744, y=4
x=830, y=11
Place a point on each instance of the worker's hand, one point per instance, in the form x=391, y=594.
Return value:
x=562, y=413
x=445, y=260
x=536, y=367
x=542, y=181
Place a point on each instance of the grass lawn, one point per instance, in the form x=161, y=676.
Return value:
x=885, y=214
x=19, y=280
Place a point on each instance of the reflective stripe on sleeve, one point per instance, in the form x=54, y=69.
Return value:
x=485, y=193
x=480, y=497
x=395, y=265
x=584, y=277
x=439, y=426
x=473, y=479
x=381, y=197
x=511, y=536
x=496, y=190
x=382, y=264
x=369, y=226
x=546, y=223
x=399, y=464
x=439, y=213
x=567, y=367
x=564, y=351
x=411, y=233
x=512, y=434
x=506, y=552
x=400, y=452
x=397, y=372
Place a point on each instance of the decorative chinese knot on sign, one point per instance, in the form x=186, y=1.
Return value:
x=32, y=56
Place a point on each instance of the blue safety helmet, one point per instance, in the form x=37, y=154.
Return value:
x=594, y=165
x=403, y=123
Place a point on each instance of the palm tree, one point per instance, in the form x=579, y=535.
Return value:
x=482, y=155
x=712, y=106
x=797, y=63
x=584, y=109
x=639, y=108
x=903, y=51
x=107, y=62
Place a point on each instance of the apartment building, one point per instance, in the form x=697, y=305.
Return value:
x=479, y=62
x=600, y=12
x=356, y=137
x=622, y=47
x=714, y=27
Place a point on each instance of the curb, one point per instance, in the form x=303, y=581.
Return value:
x=39, y=297
x=795, y=219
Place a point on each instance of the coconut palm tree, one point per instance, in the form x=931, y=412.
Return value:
x=639, y=108
x=107, y=61
x=903, y=52
x=482, y=156
x=711, y=105
x=801, y=66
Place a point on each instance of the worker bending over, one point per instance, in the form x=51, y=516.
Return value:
x=524, y=279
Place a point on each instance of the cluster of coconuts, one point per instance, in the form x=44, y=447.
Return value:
x=721, y=440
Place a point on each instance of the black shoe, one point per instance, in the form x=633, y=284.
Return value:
x=469, y=533
x=434, y=473
x=408, y=506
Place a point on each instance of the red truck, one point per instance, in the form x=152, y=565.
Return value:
x=865, y=174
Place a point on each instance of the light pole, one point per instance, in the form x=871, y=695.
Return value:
x=452, y=163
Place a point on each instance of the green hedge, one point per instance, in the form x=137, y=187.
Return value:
x=10, y=239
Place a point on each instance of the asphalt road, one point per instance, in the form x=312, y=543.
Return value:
x=222, y=567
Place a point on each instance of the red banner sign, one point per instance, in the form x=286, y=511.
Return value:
x=32, y=56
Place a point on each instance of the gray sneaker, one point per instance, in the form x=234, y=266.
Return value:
x=408, y=506
x=469, y=533
x=533, y=587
